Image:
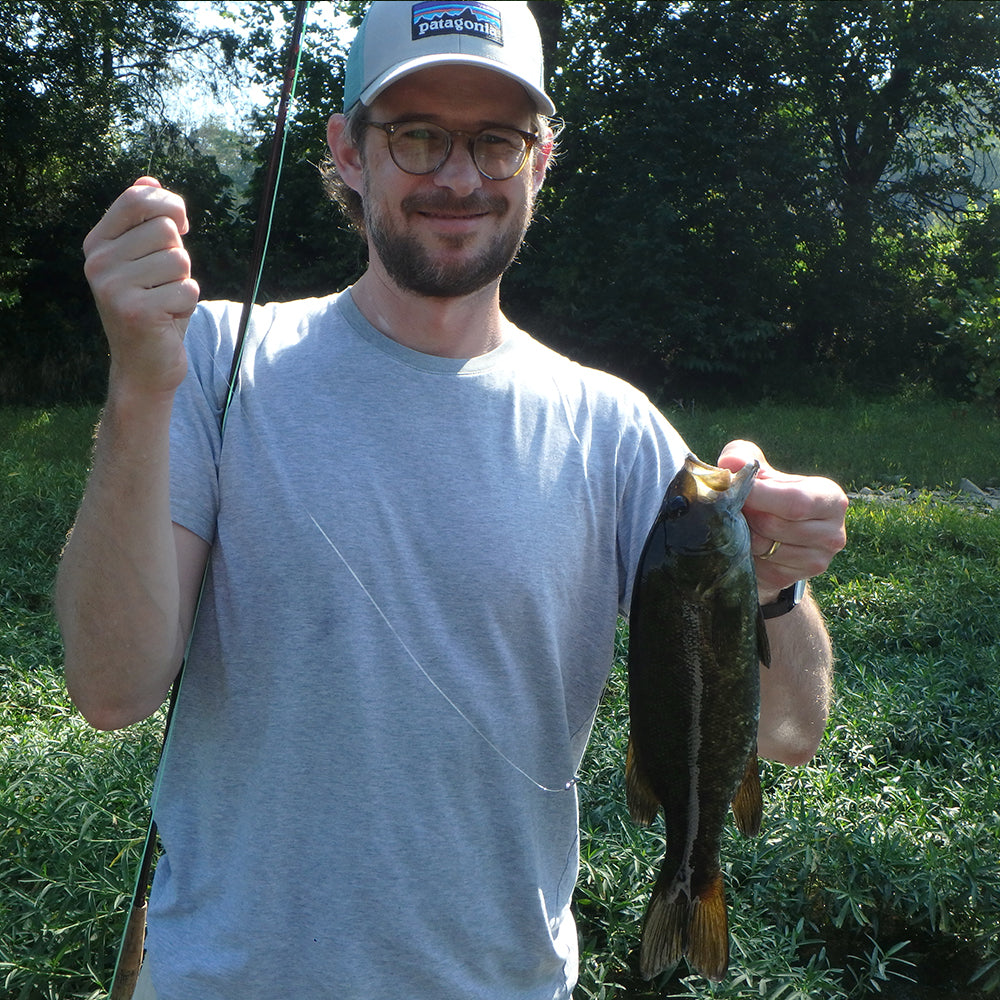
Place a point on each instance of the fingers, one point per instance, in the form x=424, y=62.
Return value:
x=804, y=515
x=737, y=453
x=140, y=274
x=136, y=240
x=146, y=257
x=144, y=200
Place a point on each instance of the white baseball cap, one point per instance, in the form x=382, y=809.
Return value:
x=398, y=37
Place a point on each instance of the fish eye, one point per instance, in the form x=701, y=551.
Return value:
x=676, y=506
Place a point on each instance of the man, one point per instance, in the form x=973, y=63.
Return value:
x=419, y=528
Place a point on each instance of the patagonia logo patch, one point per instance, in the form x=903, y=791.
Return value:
x=431, y=20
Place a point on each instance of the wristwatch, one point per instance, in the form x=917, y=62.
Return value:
x=785, y=601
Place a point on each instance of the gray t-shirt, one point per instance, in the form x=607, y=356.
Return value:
x=416, y=570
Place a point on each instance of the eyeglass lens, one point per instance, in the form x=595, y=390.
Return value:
x=421, y=148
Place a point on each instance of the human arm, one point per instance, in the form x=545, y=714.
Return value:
x=805, y=516
x=128, y=579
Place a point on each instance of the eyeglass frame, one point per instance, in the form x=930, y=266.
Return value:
x=531, y=140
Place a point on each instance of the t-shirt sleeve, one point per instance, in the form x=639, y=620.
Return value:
x=195, y=438
x=658, y=455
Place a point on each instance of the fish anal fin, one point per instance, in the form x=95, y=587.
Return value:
x=748, y=806
x=707, y=950
x=763, y=644
x=665, y=931
x=643, y=805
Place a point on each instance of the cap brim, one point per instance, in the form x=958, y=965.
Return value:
x=542, y=101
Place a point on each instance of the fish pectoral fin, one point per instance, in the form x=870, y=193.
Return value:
x=748, y=805
x=707, y=949
x=643, y=805
x=763, y=645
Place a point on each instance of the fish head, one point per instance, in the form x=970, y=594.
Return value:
x=702, y=506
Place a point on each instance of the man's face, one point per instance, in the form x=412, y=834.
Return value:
x=453, y=232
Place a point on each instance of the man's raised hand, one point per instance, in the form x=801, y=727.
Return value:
x=140, y=275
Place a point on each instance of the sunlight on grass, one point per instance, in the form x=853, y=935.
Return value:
x=923, y=443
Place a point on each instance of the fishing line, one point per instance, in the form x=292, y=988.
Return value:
x=437, y=687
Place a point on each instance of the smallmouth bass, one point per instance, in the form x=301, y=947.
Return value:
x=696, y=642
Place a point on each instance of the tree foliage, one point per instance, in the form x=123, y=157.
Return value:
x=750, y=196
x=902, y=104
x=746, y=186
x=81, y=112
x=672, y=213
x=311, y=250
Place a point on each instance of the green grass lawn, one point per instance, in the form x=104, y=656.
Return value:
x=877, y=871
x=919, y=442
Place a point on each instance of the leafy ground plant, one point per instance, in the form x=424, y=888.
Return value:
x=876, y=873
x=72, y=801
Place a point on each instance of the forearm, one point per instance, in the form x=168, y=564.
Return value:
x=117, y=591
x=796, y=688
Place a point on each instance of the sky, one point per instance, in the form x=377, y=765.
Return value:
x=193, y=103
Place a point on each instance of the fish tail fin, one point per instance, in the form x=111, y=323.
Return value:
x=707, y=948
x=665, y=932
x=748, y=805
x=643, y=805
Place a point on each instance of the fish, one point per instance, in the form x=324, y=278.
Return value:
x=696, y=642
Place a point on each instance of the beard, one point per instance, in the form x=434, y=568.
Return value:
x=414, y=268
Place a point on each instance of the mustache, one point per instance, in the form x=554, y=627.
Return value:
x=479, y=202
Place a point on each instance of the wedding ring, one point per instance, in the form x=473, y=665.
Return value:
x=770, y=552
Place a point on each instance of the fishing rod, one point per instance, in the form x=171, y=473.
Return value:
x=131, y=950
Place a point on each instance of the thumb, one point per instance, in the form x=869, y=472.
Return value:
x=738, y=453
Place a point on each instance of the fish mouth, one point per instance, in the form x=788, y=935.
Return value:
x=707, y=477
x=706, y=482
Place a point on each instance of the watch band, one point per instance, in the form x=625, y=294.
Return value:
x=786, y=600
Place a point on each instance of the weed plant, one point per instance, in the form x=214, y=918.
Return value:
x=876, y=873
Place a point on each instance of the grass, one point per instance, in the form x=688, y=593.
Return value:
x=876, y=873
x=72, y=800
x=919, y=441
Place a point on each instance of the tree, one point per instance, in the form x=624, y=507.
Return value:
x=78, y=82
x=900, y=102
x=311, y=251
x=744, y=188
x=901, y=97
x=964, y=294
x=743, y=195
x=675, y=207
x=231, y=149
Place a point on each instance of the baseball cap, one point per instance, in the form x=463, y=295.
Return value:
x=397, y=38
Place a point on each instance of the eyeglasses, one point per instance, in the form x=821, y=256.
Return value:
x=422, y=148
